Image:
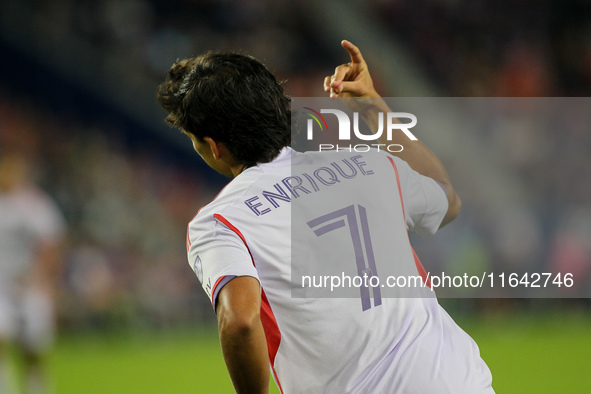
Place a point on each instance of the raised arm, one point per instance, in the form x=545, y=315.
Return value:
x=352, y=82
x=242, y=336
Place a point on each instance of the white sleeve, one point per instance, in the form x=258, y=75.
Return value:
x=217, y=255
x=425, y=200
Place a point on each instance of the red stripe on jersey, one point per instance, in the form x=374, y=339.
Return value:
x=189, y=224
x=268, y=320
x=217, y=282
x=277, y=379
x=188, y=240
x=418, y=263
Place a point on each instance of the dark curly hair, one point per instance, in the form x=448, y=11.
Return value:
x=231, y=98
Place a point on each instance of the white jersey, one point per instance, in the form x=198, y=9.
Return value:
x=28, y=218
x=306, y=202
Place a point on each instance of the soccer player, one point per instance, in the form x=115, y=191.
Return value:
x=31, y=232
x=240, y=245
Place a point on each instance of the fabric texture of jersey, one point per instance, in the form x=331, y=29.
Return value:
x=349, y=212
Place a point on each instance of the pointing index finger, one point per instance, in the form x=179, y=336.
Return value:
x=354, y=52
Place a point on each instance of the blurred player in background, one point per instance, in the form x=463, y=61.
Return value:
x=239, y=120
x=31, y=234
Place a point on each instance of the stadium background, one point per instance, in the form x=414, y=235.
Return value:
x=77, y=83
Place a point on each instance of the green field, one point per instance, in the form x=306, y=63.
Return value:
x=527, y=354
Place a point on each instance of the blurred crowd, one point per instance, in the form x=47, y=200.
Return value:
x=149, y=35
x=515, y=49
x=127, y=204
x=502, y=48
x=126, y=210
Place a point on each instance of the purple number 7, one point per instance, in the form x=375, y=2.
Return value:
x=366, y=264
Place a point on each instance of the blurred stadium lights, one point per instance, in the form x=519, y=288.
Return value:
x=107, y=76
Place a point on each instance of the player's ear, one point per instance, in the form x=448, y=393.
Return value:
x=214, y=146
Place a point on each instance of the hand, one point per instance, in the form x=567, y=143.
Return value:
x=351, y=79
